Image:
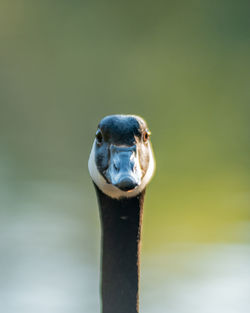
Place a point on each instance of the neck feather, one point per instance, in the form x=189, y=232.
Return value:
x=121, y=231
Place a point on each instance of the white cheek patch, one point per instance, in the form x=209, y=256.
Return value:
x=113, y=191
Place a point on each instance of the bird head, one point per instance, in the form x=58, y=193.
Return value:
x=121, y=161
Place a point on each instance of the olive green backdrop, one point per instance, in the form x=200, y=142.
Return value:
x=184, y=67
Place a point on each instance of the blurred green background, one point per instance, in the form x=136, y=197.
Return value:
x=184, y=67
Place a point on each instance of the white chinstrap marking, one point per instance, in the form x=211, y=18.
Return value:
x=110, y=189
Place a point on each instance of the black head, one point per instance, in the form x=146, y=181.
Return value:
x=121, y=159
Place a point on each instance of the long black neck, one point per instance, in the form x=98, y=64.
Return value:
x=121, y=230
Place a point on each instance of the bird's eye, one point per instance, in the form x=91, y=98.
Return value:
x=146, y=135
x=98, y=136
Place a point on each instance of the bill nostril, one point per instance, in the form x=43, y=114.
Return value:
x=116, y=167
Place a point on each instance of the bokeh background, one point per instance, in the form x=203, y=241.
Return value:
x=184, y=67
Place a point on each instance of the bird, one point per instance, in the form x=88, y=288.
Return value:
x=121, y=164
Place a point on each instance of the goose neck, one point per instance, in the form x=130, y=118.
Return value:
x=121, y=221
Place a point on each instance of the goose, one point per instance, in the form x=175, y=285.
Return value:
x=121, y=164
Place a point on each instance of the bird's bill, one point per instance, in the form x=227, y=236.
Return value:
x=124, y=170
